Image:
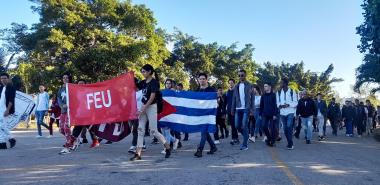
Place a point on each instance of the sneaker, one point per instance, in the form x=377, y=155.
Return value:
x=175, y=144
x=265, y=138
x=49, y=136
x=95, y=144
x=38, y=136
x=252, y=139
x=144, y=148
x=108, y=142
x=186, y=139
x=163, y=151
x=85, y=141
x=12, y=142
x=217, y=142
x=136, y=157
x=179, y=144
x=198, y=154
x=347, y=135
x=212, y=151
x=3, y=146
x=64, y=151
x=359, y=136
x=132, y=150
x=320, y=138
x=308, y=142
x=243, y=148
x=279, y=139
x=290, y=147
x=167, y=153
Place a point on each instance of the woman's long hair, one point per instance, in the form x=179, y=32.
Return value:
x=148, y=67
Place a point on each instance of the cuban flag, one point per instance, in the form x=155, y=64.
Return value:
x=194, y=111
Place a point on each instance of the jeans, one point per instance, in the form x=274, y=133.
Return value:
x=168, y=136
x=151, y=116
x=259, y=122
x=40, y=121
x=349, y=127
x=205, y=136
x=269, y=128
x=288, y=124
x=307, y=123
x=231, y=121
x=241, y=122
x=321, y=124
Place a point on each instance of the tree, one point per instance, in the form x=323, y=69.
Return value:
x=93, y=39
x=369, y=71
x=299, y=78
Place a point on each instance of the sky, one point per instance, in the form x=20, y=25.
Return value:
x=318, y=32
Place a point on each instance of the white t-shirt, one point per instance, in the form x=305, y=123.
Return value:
x=242, y=96
x=42, y=101
x=3, y=107
x=139, y=96
x=257, y=101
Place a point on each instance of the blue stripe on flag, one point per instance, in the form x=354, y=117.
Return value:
x=194, y=112
x=190, y=95
x=188, y=128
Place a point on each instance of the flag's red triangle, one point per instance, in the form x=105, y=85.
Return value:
x=167, y=109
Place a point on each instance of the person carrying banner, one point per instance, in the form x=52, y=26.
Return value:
x=64, y=127
x=152, y=106
x=7, y=108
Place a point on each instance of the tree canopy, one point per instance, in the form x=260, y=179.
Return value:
x=96, y=40
x=369, y=71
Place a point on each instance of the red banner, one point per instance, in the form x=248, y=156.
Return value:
x=104, y=102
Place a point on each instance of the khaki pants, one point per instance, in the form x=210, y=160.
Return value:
x=151, y=116
x=369, y=125
x=321, y=123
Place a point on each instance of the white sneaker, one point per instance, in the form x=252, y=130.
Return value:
x=132, y=149
x=347, y=135
x=217, y=142
x=64, y=151
x=265, y=138
x=49, y=136
x=163, y=151
x=144, y=148
x=38, y=136
x=252, y=139
x=175, y=144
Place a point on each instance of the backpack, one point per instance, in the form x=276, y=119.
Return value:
x=291, y=93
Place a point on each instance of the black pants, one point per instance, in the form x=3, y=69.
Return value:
x=220, y=125
x=360, y=126
x=52, y=120
x=334, y=125
x=231, y=122
x=269, y=128
x=78, y=131
x=298, y=128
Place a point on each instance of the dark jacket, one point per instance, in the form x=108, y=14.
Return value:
x=221, y=110
x=268, y=105
x=306, y=108
x=10, y=95
x=359, y=114
x=229, y=96
x=322, y=107
x=348, y=113
x=248, y=98
x=333, y=112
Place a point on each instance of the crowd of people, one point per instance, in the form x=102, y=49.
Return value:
x=253, y=111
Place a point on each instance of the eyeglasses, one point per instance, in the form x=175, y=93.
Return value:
x=241, y=75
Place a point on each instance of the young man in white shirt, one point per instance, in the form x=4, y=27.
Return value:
x=287, y=100
x=42, y=103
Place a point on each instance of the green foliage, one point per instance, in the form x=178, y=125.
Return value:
x=369, y=30
x=299, y=79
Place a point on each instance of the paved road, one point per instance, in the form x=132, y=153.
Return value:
x=338, y=160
